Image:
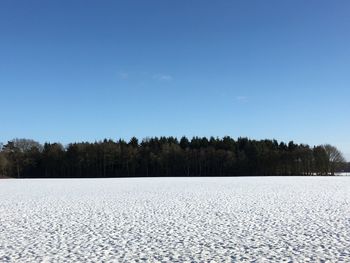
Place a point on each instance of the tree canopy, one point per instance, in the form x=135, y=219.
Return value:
x=167, y=156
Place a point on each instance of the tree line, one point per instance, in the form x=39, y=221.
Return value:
x=167, y=156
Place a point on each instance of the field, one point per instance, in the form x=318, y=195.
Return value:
x=270, y=219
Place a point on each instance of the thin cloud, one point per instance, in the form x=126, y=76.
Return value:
x=242, y=98
x=162, y=77
x=123, y=75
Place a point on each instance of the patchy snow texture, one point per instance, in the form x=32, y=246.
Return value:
x=176, y=220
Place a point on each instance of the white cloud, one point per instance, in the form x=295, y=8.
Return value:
x=162, y=77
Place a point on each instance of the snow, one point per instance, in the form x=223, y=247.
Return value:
x=343, y=174
x=261, y=219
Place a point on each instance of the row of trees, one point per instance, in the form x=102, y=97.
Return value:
x=346, y=167
x=167, y=156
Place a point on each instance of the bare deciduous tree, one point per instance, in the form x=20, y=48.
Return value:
x=25, y=145
x=335, y=158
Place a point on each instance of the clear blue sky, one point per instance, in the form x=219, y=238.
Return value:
x=88, y=70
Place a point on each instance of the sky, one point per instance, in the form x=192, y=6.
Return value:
x=88, y=70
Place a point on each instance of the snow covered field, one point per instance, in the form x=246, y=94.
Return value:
x=175, y=220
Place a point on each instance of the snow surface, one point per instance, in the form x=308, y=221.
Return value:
x=271, y=219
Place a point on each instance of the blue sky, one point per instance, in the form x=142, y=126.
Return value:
x=88, y=70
